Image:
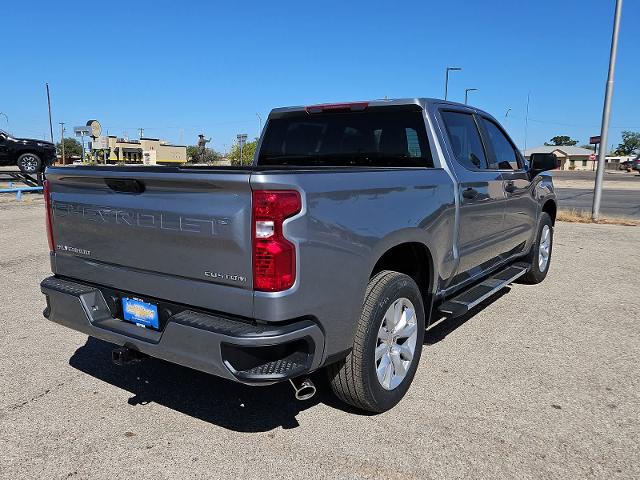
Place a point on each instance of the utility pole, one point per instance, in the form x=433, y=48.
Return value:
x=446, y=80
x=466, y=93
x=140, y=132
x=606, y=113
x=49, y=104
x=62, y=139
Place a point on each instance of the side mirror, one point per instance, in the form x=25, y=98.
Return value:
x=541, y=162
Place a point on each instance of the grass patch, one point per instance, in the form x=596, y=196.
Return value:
x=578, y=216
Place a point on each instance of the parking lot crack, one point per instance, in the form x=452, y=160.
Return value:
x=35, y=398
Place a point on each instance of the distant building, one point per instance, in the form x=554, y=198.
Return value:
x=571, y=158
x=145, y=150
x=614, y=161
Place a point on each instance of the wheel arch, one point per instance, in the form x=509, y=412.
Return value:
x=551, y=208
x=413, y=259
x=31, y=151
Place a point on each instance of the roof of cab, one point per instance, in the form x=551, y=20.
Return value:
x=423, y=102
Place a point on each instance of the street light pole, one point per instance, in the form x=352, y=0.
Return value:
x=526, y=122
x=466, y=93
x=446, y=80
x=606, y=113
x=62, y=140
x=260, y=123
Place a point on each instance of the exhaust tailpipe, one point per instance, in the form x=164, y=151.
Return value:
x=304, y=390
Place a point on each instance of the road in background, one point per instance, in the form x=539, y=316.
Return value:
x=615, y=203
x=620, y=196
x=539, y=382
x=609, y=176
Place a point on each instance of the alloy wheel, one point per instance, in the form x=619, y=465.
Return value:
x=396, y=344
x=29, y=163
x=544, y=248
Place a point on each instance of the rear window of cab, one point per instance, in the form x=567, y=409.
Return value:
x=375, y=137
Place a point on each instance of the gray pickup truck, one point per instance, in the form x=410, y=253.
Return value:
x=356, y=226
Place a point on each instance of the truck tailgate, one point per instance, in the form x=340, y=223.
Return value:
x=176, y=235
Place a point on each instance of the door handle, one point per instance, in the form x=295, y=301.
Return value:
x=470, y=193
x=509, y=187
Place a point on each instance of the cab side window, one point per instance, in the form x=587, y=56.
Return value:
x=506, y=157
x=465, y=139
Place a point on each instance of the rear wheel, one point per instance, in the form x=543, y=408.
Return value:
x=387, y=347
x=29, y=163
x=540, y=255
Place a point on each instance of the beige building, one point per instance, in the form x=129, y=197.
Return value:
x=145, y=150
x=571, y=158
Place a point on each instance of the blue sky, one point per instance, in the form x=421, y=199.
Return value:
x=181, y=68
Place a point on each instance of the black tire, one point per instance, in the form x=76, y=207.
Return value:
x=535, y=273
x=29, y=163
x=354, y=380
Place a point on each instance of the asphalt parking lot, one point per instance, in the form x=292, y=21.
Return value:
x=540, y=382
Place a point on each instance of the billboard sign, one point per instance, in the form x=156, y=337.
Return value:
x=100, y=143
x=81, y=131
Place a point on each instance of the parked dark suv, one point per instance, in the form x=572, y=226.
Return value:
x=31, y=156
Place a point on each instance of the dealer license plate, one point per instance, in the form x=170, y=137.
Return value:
x=141, y=313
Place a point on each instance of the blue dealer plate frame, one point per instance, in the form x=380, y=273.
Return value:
x=141, y=313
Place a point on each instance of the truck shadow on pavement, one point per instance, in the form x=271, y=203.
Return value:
x=218, y=401
x=209, y=398
x=441, y=327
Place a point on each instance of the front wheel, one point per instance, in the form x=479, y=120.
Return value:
x=29, y=163
x=387, y=346
x=540, y=256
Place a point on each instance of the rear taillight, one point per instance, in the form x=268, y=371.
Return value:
x=274, y=257
x=47, y=204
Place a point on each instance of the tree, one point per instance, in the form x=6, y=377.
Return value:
x=561, y=141
x=71, y=147
x=630, y=143
x=248, y=150
x=210, y=155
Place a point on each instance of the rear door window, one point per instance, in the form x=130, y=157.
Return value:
x=504, y=152
x=375, y=137
x=464, y=139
